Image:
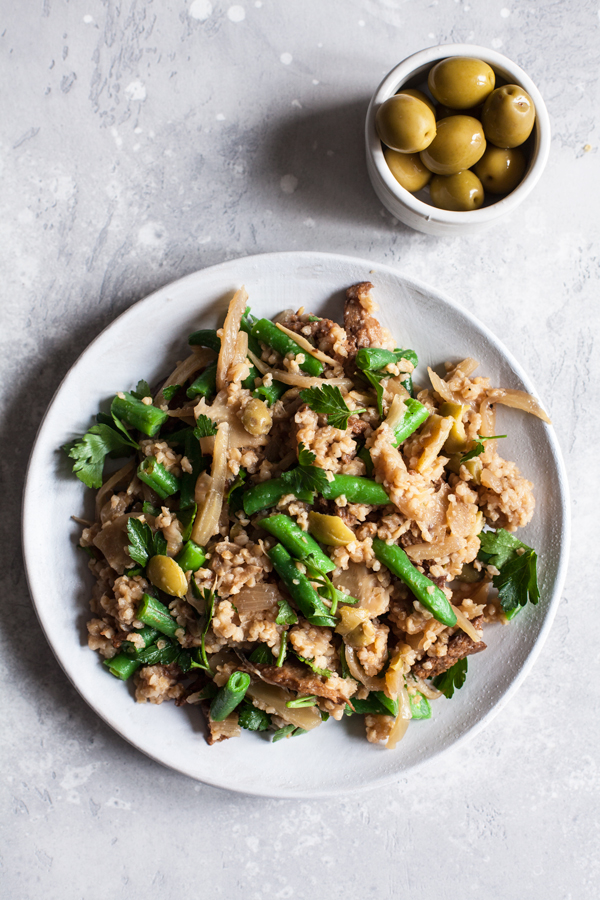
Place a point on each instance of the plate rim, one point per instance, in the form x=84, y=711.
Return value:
x=471, y=731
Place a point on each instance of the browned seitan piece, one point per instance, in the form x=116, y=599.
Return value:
x=459, y=646
x=297, y=678
x=362, y=329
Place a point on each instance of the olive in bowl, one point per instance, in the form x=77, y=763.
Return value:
x=414, y=205
x=406, y=124
x=458, y=144
x=501, y=170
x=461, y=192
x=507, y=116
x=461, y=82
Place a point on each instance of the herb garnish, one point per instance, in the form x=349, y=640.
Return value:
x=478, y=446
x=517, y=564
x=90, y=451
x=452, y=679
x=286, y=615
x=328, y=401
x=305, y=478
x=204, y=427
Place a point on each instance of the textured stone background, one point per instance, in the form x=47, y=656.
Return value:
x=144, y=140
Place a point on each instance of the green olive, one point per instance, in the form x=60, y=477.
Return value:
x=167, y=576
x=458, y=144
x=256, y=417
x=413, y=92
x=405, y=124
x=330, y=530
x=407, y=169
x=460, y=192
x=508, y=116
x=460, y=82
x=500, y=171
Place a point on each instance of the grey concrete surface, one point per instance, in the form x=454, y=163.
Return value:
x=142, y=140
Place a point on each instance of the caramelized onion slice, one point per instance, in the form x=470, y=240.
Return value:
x=465, y=625
x=184, y=370
x=441, y=387
x=272, y=699
x=231, y=327
x=255, y=599
x=359, y=674
x=402, y=719
x=302, y=342
x=518, y=400
x=207, y=521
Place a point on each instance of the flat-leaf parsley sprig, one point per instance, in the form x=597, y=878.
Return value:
x=478, y=446
x=328, y=401
x=517, y=568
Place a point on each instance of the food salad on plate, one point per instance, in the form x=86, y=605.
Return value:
x=302, y=529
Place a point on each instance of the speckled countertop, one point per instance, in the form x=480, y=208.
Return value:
x=143, y=140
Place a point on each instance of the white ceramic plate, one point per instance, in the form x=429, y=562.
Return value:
x=144, y=342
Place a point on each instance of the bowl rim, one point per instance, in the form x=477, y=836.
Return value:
x=386, y=181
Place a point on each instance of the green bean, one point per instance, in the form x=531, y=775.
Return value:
x=374, y=358
x=246, y=325
x=122, y=666
x=154, y=613
x=297, y=542
x=419, y=706
x=229, y=696
x=356, y=490
x=271, y=392
x=206, y=337
x=269, y=493
x=205, y=384
x=414, y=416
x=154, y=474
x=148, y=636
x=250, y=381
x=268, y=333
x=190, y=557
x=426, y=592
x=146, y=418
x=300, y=588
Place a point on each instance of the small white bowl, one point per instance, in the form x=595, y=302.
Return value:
x=418, y=213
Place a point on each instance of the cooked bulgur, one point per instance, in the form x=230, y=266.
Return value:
x=243, y=562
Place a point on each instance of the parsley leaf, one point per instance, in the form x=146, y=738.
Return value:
x=142, y=390
x=160, y=544
x=253, y=719
x=328, y=400
x=286, y=615
x=517, y=565
x=325, y=673
x=306, y=478
x=478, y=446
x=204, y=427
x=90, y=451
x=170, y=391
x=141, y=544
x=305, y=456
x=452, y=679
x=261, y=656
